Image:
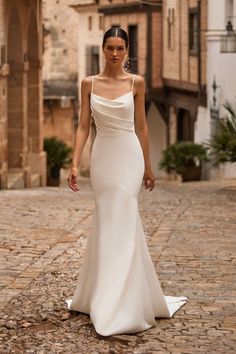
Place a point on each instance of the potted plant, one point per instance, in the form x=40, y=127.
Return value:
x=58, y=156
x=223, y=143
x=184, y=158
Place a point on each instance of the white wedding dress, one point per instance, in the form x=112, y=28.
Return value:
x=118, y=286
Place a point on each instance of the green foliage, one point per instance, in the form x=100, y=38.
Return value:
x=223, y=143
x=181, y=155
x=58, y=153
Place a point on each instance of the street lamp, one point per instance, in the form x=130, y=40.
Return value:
x=228, y=40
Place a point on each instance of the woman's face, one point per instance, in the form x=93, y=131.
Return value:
x=114, y=51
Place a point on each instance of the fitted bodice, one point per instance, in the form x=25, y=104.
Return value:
x=113, y=116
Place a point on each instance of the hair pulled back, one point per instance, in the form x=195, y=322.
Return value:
x=116, y=32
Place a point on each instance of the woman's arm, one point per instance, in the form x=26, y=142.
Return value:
x=82, y=133
x=141, y=130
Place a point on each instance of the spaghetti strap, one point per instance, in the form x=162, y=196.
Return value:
x=92, y=84
x=132, y=83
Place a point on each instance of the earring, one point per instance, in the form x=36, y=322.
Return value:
x=127, y=65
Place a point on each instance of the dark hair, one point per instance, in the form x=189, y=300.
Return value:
x=116, y=32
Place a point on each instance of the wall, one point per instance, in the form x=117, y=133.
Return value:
x=88, y=38
x=59, y=122
x=60, y=44
x=157, y=131
x=21, y=148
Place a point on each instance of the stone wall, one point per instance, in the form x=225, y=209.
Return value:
x=21, y=148
x=60, y=42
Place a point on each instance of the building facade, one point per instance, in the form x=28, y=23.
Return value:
x=184, y=65
x=22, y=159
x=221, y=66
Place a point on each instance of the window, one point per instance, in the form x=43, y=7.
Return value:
x=90, y=23
x=92, y=60
x=193, y=31
x=133, y=48
x=101, y=23
x=171, y=22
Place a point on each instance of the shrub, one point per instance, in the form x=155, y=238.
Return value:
x=181, y=155
x=58, y=153
x=223, y=143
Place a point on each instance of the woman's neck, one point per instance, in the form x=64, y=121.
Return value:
x=113, y=72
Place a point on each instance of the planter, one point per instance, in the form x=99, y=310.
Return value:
x=192, y=173
x=185, y=158
x=53, y=176
x=58, y=156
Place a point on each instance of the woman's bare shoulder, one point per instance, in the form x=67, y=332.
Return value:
x=86, y=83
x=139, y=84
x=86, y=80
x=139, y=79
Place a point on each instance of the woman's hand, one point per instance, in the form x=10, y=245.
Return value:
x=72, y=179
x=149, y=179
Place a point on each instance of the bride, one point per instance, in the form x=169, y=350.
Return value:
x=117, y=286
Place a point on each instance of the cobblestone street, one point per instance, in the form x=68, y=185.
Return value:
x=191, y=234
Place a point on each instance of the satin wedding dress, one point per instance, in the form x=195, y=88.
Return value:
x=117, y=285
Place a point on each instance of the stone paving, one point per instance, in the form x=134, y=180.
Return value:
x=191, y=234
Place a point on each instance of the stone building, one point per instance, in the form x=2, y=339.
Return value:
x=221, y=69
x=22, y=159
x=184, y=65
x=60, y=70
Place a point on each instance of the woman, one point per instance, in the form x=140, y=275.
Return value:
x=117, y=286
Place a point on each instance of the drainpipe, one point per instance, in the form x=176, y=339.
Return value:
x=149, y=51
x=199, y=52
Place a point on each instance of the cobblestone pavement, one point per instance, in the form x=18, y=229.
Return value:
x=191, y=234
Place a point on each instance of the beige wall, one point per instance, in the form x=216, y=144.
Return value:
x=59, y=122
x=157, y=131
x=85, y=38
x=60, y=44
